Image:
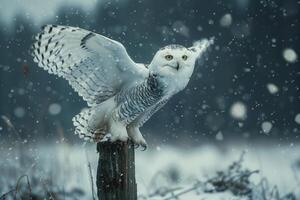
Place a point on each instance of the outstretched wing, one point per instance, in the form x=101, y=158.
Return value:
x=200, y=47
x=95, y=66
x=145, y=116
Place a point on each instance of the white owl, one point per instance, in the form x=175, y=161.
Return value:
x=121, y=94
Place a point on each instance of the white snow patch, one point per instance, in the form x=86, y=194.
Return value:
x=266, y=127
x=272, y=88
x=290, y=55
x=54, y=109
x=226, y=20
x=19, y=112
x=297, y=118
x=238, y=111
x=69, y=162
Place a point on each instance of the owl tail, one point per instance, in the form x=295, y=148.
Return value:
x=85, y=127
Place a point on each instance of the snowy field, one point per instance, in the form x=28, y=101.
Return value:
x=62, y=169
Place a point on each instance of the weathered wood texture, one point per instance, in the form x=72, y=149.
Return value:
x=116, y=171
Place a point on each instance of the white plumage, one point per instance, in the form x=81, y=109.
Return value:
x=121, y=94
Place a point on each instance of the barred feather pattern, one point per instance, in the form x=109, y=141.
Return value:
x=144, y=118
x=82, y=128
x=135, y=101
x=62, y=50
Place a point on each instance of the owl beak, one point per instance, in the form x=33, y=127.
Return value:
x=177, y=66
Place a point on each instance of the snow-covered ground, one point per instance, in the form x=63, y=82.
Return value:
x=65, y=167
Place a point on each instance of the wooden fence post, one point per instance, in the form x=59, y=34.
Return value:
x=116, y=171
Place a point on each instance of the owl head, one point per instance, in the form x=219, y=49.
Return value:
x=174, y=64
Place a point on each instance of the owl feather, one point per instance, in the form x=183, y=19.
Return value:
x=121, y=94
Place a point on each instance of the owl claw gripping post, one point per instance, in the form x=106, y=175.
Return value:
x=121, y=94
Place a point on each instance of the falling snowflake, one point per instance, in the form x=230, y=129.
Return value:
x=238, y=111
x=272, y=88
x=219, y=136
x=226, y=20
x=290, y=55
x=297, y=118
x=19, y=112
x=266, y=127
x=54, y=109
x=180, y=28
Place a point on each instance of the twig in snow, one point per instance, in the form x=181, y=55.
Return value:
x=16, y=189
x=18, y=184
x=3, y=197
x=91, y=175
x=235, y=179
x=92, y=180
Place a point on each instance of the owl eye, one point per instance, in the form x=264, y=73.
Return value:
x=168, y=57
x=184, y=57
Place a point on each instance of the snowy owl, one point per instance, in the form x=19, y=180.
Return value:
x=121, y=94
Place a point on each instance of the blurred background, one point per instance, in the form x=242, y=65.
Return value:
x=244, y=95
x=247, y=88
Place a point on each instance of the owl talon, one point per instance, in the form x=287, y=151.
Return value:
x=144, y=147
x=136, y=146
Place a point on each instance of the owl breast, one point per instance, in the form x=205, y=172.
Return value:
x=135, y=101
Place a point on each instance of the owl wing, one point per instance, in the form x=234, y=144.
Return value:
x=95, y=66
x=200, y=47
x=145, y=116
